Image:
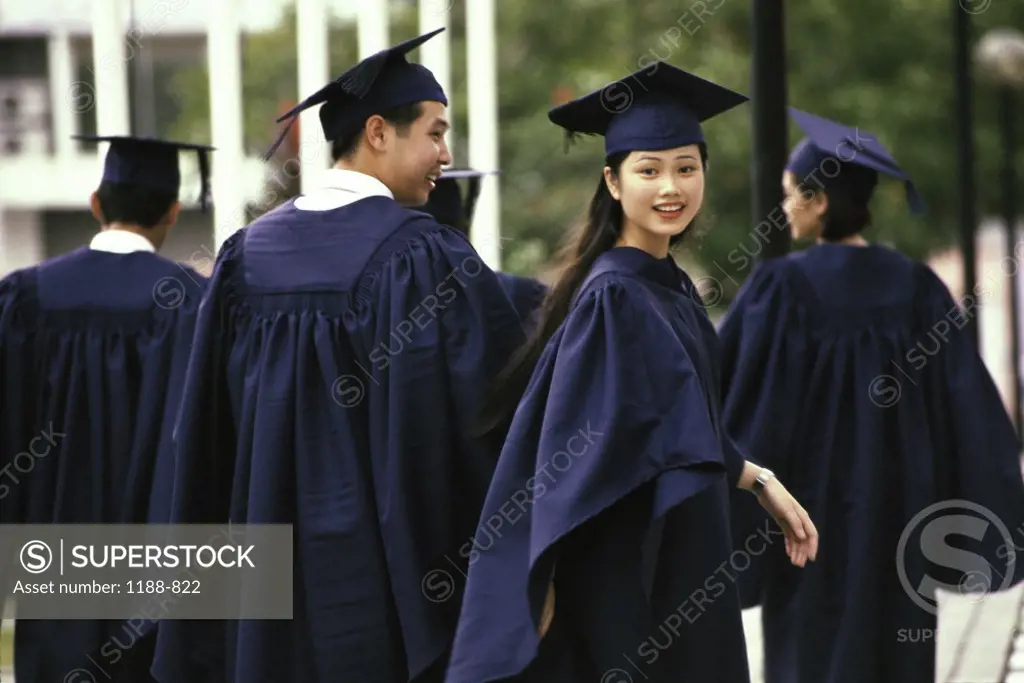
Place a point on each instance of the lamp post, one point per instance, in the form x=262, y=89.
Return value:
x=999, y=56
x=770, y=120
x=968, y=218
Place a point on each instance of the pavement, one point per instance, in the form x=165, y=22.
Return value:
x=755, y=643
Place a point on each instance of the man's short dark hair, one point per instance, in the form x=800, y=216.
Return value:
x=399, y=117
x=133, y=204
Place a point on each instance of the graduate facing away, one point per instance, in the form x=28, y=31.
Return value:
x=339, y=367
x=846, y=369
x=93, y=351
x=447, y=206
x=604, y=543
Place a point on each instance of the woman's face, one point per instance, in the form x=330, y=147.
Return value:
x=804, y=210
x=660, y=192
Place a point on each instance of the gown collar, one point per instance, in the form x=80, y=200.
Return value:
x=663, y=271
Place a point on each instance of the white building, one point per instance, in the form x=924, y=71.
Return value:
x=50, y=75
x=48, y=93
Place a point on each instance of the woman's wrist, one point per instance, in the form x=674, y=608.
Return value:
x=754, y=477
x=748, y=476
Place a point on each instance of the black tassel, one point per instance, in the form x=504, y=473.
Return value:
x=277, y=143
x=358, y=81
x=571, y=138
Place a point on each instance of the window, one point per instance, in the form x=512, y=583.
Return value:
x=10, y=108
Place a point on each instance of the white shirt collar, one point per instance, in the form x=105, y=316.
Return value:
x=341, y=187
x=120, y=242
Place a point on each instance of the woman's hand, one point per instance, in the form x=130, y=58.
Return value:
x=799, y=531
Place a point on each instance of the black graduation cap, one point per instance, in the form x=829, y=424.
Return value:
x=445, y=203
x=151, y=162
x=660, y=107
x=378, y=83
x=849, y=146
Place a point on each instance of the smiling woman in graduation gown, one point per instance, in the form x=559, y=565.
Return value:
x=93, y=350
x=606, y=528
x=847, y=371
x=338, y=367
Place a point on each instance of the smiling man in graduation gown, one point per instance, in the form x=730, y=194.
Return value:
x=846, y=369
x=93, y=350
x=340, y=361
x=447, y=206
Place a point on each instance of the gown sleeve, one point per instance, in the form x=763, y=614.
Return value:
x=985, y=463
x=203, y=434
x=735, y=456
x=160, y=502
x=765, y=342
x=436, y=327
x=19, y=410
x=204, y=445
x=763, y=351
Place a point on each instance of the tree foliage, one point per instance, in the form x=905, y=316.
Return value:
x=885, y=67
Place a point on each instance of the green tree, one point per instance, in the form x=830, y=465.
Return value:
x=883, y=66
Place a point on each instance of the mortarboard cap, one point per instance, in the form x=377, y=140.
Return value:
x=851, y=147
x=150, y=162
x=660, y=107
x=380, y=82
x=445, y=203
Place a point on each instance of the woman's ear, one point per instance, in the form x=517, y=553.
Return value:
x=819, y=204
x=612, y=182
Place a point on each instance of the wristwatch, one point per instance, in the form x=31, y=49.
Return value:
x=761, y=480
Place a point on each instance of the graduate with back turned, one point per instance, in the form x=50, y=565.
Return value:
x=337, y=373
x=603, y=550
x=448, y=207
x=847, y=370
x=93, y=351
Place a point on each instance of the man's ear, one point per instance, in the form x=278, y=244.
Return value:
x=171, y=217
x=377, y=131
x=94, y=205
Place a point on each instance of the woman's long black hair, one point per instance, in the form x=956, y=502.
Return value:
x=849, y=193
x=596, y=234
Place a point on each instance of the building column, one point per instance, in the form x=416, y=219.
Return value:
x=435, y=54
x=110, y=70
x=224, y=63
x=482, y=95
x=62, y=91
x=314, y=74
x=373, y=27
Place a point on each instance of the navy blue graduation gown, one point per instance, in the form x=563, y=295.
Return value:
x=93, y=350
x=527, y=296
x=846, y=371
x=340, y=362
x=614, y=479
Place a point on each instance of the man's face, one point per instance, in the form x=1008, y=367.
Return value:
x=415, y=156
